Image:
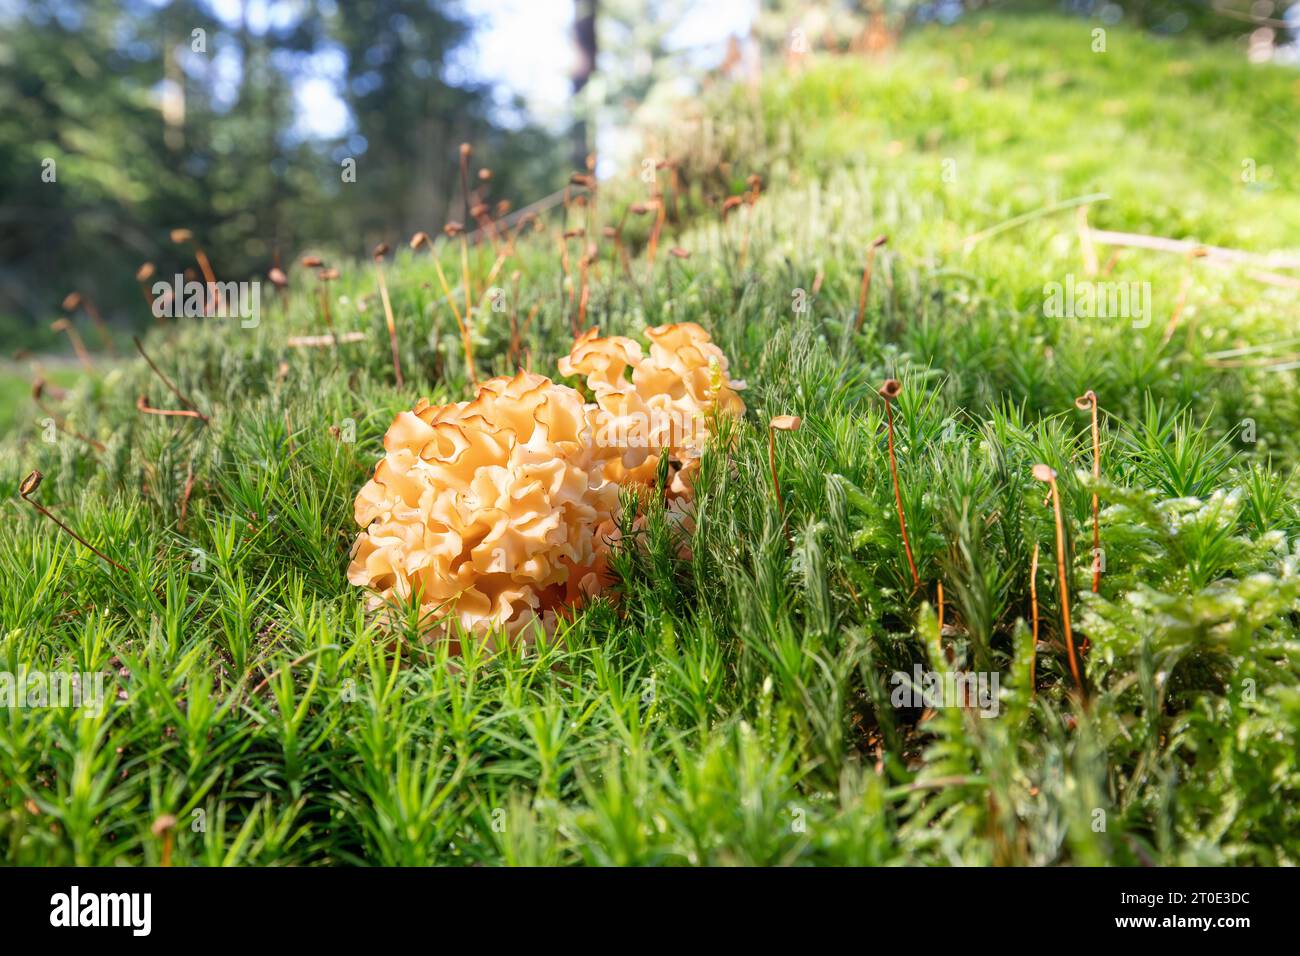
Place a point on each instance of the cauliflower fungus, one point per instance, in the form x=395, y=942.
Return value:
x=496, y=514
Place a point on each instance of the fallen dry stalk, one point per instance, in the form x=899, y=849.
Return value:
x=28, y=487
x=890, y=391
x=1016, y=221
x=1048, y=475
x=1214, y=254
x=323, y=341
x=1273, y=278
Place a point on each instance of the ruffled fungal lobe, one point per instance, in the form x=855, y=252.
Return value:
x=491, y=514
x=667, y=403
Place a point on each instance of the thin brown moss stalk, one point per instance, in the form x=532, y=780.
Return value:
x=185, y=496
x=142, y=405
x=781, y=423
x=1085, y=241
x=465, y=151
x=674, y=190
x=620, y=251
x=1088, y=402
x=78, y=346
x=325, y=277
x=584, y=271
x=422, y=239
x=1033, y=614
x=889, y=391
x=865, y=289
x=164, y=828
x=562, y=240
x=513, y=348
x=27, y=487
x=381, y=250
x=487, y=226
x=676, y=252
x=657, y=203
x=279, y=279
x=491, y=277
x=724, y=212
x=526, y=220
x=74, y=300
x=38, y=395
x=938, y=597
x=482, y=212
x=587, y=181
x=142, y=277
x=1045, y=474
x=1184, y=286
x=755, y=186
x=523, y=332
x=184, y=236
x=171, y=386
x=465, y=277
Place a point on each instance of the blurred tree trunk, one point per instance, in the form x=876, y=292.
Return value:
x=584, y=35
x=173, y=100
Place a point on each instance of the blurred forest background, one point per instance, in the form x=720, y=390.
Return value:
x=125, y=119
